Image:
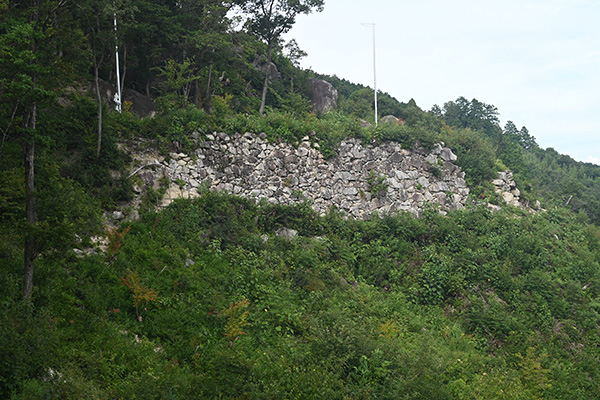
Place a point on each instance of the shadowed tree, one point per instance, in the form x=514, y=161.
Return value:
x=37, y=47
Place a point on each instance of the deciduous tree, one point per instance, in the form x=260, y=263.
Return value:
x=269, y=19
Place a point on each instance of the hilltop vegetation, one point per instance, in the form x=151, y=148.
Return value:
x=203, y=299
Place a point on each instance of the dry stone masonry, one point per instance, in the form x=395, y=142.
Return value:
x=506, y=187
x=359, y=180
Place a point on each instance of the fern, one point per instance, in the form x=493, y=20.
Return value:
x=236, y=320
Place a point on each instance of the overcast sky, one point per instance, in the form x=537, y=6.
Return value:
x=537, y=61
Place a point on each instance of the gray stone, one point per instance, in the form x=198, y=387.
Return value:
x=346, y=176
x=390, y=119
x=423, y=182
x=291, y=159
x=323, y=95
x=396, y=157
x=249, y=166
x=431, y=159
x=447, y=155
x=401, y=175
x=302, y=152
x=508, y=197
x=286, y=233
x=440, y=187
x=351, y=191
x=394, y=184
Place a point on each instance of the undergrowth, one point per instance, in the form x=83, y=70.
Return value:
x=204, y=299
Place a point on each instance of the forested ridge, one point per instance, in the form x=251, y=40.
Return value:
x=221, y=297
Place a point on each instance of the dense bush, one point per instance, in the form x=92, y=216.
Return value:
x=470, y=305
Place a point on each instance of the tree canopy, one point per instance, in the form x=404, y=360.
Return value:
x=269, y=19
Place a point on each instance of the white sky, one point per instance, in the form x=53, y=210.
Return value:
x=537, y=61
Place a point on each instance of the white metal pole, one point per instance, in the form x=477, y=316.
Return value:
x=374, y=75
x=372, y=25
x=118, y=96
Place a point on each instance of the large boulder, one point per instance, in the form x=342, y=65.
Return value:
x=323, y=95
x=140, y=104
x=107, y=92
x=390, y=119
x=261, y=64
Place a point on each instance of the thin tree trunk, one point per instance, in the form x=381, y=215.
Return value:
x=207, y=96
x=99, y=100
x=30, y=214
x=124, y=71
x=186, y=91
x=8, y=126
x=29, y=125
x=97, y=64
x=263, y=99
x=196, y=93
x=569, y=200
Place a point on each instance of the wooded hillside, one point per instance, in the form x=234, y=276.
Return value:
x=220, y=297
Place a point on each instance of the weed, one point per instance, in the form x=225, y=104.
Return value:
x=378, y=185
x=141, y=294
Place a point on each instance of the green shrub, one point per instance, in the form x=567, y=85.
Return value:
x=378, y=185
x=475, y=155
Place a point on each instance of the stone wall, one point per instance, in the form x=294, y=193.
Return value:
x=506, y=187
x=359, y=180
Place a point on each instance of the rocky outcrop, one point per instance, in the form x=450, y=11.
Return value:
x=359, y=180
x=323, y=95
x=506, y=187
x=390, y=119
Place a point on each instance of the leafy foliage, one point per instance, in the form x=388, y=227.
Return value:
x=141, y=294
x=236, y=320
x=471, y=305
x=479, y=300
x=377, y=184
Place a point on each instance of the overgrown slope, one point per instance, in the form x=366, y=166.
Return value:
x=203, y=300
